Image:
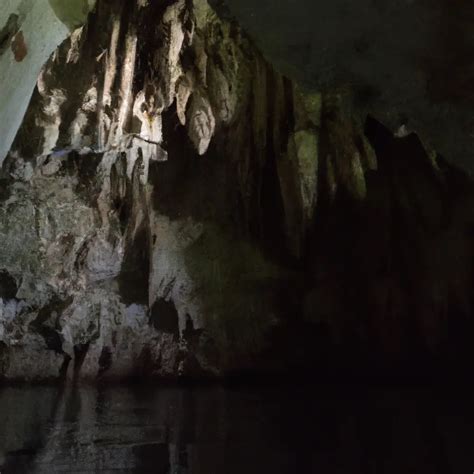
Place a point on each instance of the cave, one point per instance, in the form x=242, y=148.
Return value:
x=236, y=236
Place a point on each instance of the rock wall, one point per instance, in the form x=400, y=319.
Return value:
x=173, y=206
x=135, y=228
x=30, y=30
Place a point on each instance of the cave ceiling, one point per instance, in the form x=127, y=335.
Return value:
x=408, y=62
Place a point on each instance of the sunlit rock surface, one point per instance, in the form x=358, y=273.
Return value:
x=173, y=206
x=30, y=30
x=108, y=210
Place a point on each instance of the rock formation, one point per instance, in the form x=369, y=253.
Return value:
x=30, y=30
x=172, y=205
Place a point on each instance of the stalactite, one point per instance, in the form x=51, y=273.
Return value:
x=165, y=169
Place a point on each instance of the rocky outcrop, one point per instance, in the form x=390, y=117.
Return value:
x=392, y=266
x=408, y=62
x=172, y=206
x=134, y=184
x=30, y=30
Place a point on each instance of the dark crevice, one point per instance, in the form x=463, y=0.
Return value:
x=120, y=194
x=64, y=367
x=5, y=189
x=80, y=352
x=105, y=360
x=134, y=274
x=8, y=285
x=46, y=324
x=191, y=174
x=52, y=339
x=135, y=271
x=164, y=317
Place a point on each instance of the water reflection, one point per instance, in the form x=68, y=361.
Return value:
x=227, y=431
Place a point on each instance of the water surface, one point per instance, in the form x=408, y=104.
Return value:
x=235, y=430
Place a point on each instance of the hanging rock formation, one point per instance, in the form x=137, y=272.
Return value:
x=133, y=184
x=172, y=206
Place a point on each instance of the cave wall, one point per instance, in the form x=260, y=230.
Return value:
x=133, y=184
x=30, y=30
x=174, y=206
x=409, y=62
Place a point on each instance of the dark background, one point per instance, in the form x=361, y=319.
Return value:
x=408, y=61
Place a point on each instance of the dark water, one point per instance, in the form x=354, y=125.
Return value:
x=236, y=430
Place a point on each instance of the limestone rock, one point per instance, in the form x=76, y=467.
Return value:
x=173, y=206
x=201, y=123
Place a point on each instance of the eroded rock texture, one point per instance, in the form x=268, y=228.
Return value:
x=174, y=206
x=122, y=239
x=30, y=30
